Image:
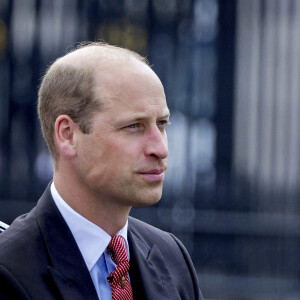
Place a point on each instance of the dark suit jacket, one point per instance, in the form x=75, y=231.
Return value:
x=39, y=259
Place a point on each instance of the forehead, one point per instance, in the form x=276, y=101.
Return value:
x=131, y=85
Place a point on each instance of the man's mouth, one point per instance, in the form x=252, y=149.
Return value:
x=153, y=175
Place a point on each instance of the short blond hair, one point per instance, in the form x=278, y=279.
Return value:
x=69, y=89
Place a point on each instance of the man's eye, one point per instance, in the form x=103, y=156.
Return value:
x=132, y=126
x=163, y=123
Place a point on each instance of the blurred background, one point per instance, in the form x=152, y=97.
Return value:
x=231, y=71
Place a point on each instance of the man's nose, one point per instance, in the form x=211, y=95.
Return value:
x=157, y=144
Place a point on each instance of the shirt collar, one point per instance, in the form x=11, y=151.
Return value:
x=90, y=238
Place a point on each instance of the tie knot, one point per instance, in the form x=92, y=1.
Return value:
x=118, y=279
x=117, y=249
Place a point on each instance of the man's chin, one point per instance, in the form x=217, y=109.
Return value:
x=147, y=200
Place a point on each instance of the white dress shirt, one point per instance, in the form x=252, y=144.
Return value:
x=92, y=242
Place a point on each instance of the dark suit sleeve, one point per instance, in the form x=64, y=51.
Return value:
x=191, y=267
x=10, y=288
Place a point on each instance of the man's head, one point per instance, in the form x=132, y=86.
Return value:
x=68, y=87
x=103, y=114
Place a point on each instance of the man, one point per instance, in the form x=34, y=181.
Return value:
x=103, y=114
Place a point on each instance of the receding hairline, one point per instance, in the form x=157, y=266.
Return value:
x=91, y=55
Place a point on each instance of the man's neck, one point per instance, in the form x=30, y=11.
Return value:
x=104, y=213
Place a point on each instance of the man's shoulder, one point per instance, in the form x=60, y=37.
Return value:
x=168, y=251
x=18, y=236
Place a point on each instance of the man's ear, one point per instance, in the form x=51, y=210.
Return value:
x=64, y=135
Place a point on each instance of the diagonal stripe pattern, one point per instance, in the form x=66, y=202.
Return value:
x=118, y=279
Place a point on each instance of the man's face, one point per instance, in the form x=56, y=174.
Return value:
x=124, y=158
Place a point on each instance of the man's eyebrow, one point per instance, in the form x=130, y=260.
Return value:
x=126, y=121
x=137, y=118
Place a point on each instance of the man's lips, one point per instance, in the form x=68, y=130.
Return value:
x=153, y=175
x=153, y=171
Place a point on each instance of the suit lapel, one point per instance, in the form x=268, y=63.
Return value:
x=68, y=269
x=148, y=274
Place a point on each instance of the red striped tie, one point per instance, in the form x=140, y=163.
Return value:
x=118, y=279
